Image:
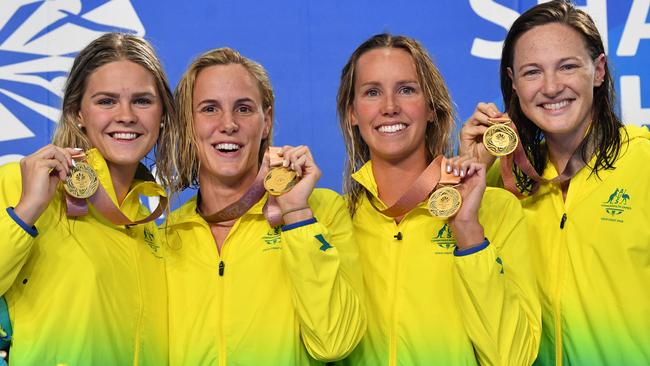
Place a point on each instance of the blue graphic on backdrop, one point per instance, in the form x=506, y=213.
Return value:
x=303, y=45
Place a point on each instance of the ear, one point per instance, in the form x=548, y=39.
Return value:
x=511, y=75
x=268, y=122
x=351, y=117
x=599, y=74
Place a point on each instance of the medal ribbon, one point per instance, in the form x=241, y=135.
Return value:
x=421, y=188
x=235, y=210
x=103, y=203
x=520, y=158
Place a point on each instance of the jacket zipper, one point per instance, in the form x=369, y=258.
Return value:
x=392, y=348
x=557, y=307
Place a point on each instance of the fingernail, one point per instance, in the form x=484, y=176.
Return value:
x=285, y=163
x=448, y=168
x=78, y=148
x=455, y=171
x=293, y=166
x=462, y=173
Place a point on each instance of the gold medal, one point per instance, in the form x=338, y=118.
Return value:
x=500, y=139
x=83, y=181
x=280, y=180
x=445, y=202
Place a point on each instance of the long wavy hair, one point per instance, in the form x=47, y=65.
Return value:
x=604, y=133
x=438, y=133
x=112, y=47
x=188, y=160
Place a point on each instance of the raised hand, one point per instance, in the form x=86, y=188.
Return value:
x=40, y=173
x=465, y=223
x=471, y=135
x=293, y=204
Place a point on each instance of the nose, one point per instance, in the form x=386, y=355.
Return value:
x=390, y=106
x=552, y=85
x=229, y=124
x=126, y=114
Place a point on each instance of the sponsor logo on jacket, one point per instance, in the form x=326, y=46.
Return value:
x=150, y=240
x=444, y=240
x=272, y=239
x=616, y=204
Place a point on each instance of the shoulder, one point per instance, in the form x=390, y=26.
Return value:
x=325, y=197
x=498, y=201
x=182, y=213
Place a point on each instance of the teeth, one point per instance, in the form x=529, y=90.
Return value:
x=391, y=128
x=227, y=147
x=554, y=106
x=125, y=136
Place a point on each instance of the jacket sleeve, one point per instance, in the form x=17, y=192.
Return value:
x=496, y=289
x=321, y=258
x=15, y=240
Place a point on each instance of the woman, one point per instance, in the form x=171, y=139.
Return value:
x=244, y=291
x=591, y=226
x=439, y=292
x=80, y=289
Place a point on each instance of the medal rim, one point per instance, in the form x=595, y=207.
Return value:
x=445, y=213
x=273, y=190
x=94, y=181
x=511, y=147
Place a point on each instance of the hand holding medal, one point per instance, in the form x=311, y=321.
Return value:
x=292, y=178
x=500, y=139
x=41, y=172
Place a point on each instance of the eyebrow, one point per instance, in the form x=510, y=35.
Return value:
x=400, y=82
x=564, y=59
x=116, y=95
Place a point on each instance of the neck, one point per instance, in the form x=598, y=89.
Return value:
x=122, y=178
x=217, y=193
x=562, y=147
x=394, y=178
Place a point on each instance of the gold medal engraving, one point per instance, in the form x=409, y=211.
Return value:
x=500, y=139
x=280, y=180
x=444, y=202
x=83, y=181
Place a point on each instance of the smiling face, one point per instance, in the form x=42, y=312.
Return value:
x=554, y=78
x=389, y=106
x=121, y=112
x=229, y=123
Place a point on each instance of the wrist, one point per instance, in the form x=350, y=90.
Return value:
x=468, y=233
x=27, y=213
x=293, y=215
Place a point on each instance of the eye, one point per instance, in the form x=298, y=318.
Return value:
x=208, y=109
x=372, y=92
x=244, y=109
x=406, y=90
x=531, y=73
x=143, y=101
x=106, y=101
x=569, y=67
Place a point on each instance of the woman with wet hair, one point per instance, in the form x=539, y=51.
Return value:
x=586, y=191
x=439, y=291
x=84, y=279
x=254, y=279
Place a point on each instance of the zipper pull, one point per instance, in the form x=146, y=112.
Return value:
x=563, y=221
x=222, y=266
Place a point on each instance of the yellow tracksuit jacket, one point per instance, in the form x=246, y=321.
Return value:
x=82, y=291
x=594, y=261
x=273, y=296
x=428, y=306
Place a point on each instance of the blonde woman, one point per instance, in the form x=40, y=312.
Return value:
x=82, y=290
x=244, y=290
x=455, y=291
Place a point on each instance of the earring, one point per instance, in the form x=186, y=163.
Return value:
x=80, y=126
x=162, y=125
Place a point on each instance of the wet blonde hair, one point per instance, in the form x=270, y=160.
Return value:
x=188, y=160
x=112, y=47
x=438, y=133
